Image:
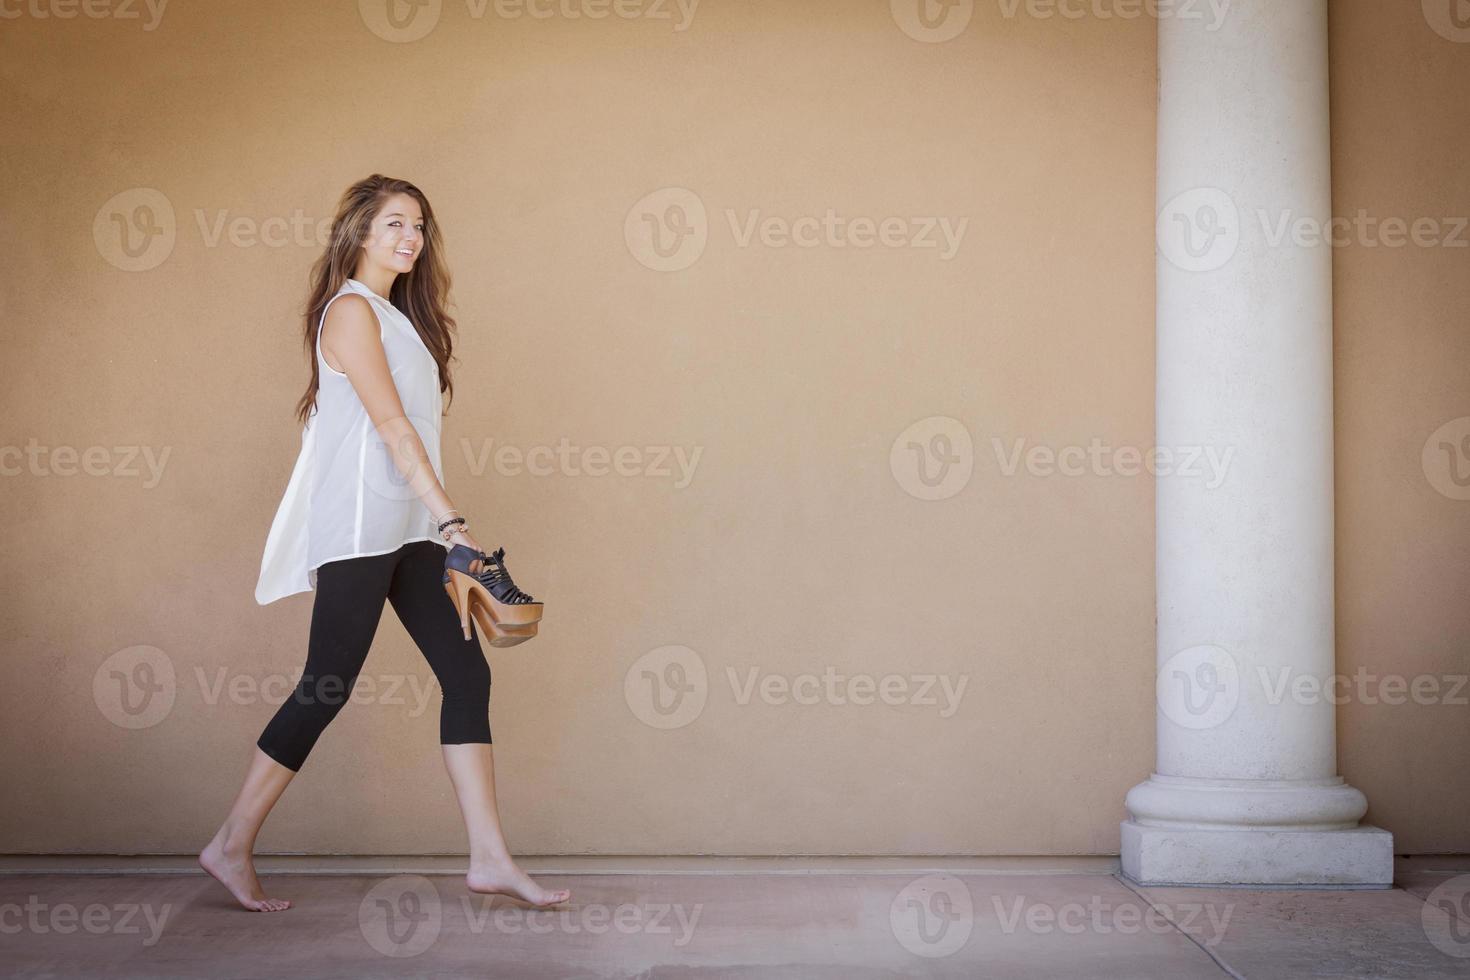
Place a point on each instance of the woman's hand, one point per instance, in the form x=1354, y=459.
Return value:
x=461, y=537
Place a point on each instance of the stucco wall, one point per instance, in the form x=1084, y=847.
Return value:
x=765, y=511
x=1402, y=325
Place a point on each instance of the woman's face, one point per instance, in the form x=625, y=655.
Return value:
x=396, y=237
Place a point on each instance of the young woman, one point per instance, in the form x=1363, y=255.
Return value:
x=365, y=518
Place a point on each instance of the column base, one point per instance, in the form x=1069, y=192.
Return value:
x=1361, y=857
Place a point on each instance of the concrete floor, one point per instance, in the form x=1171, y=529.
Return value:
x=961, y=921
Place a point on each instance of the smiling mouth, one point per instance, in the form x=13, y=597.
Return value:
x=404, y=251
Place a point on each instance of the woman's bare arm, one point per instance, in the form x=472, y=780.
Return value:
x=351, y=343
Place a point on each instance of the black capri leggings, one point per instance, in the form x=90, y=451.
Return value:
x=344, y=618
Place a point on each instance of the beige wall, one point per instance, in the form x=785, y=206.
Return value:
x=794, y=548
x=1400, y=145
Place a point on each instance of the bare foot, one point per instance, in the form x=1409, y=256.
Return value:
x=507, y=879
x=237, y=873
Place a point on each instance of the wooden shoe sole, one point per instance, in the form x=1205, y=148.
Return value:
x=512, y=622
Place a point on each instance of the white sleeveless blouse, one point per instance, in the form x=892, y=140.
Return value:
x=346, y=498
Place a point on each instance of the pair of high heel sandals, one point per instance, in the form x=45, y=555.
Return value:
x=505, y=614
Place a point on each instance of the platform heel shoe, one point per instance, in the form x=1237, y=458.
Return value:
x=506, y=615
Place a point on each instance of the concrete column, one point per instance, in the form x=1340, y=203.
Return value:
x=1246, y=787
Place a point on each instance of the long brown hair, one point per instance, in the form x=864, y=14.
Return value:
x=420, y=295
